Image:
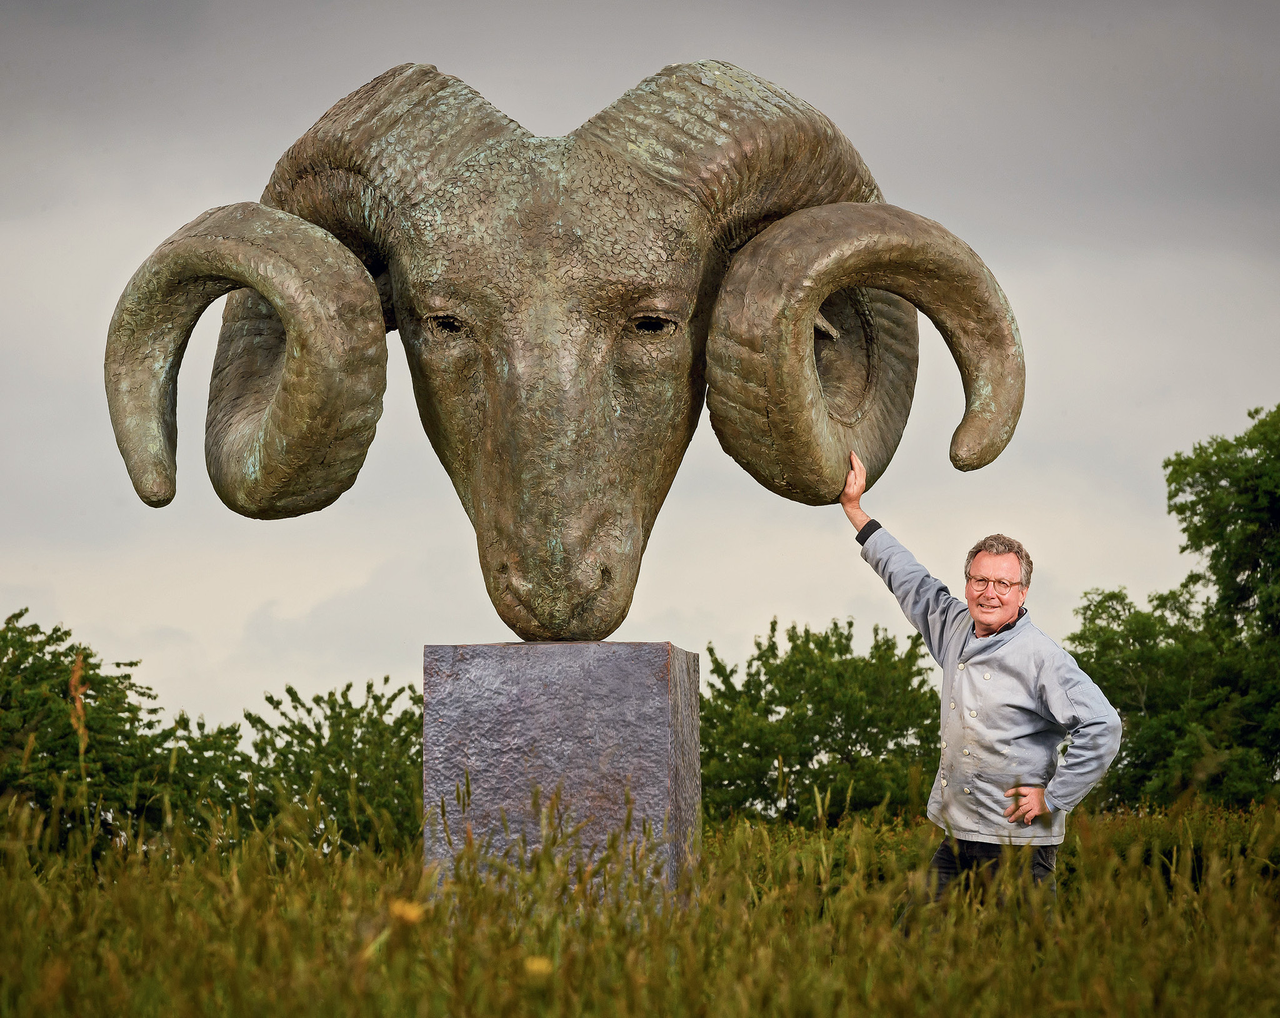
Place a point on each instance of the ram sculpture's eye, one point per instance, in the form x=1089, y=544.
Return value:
x=653, y=325
x=447, y=326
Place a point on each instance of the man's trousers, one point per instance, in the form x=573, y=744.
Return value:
x=954, y=857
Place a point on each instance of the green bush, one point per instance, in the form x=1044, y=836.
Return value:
x=85, y=746
x=361, y=760
x=818, y=729
x=85, y=738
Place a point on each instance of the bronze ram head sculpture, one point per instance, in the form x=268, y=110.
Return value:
x=565, y=304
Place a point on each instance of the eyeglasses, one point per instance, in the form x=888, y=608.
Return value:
x=1002, y=587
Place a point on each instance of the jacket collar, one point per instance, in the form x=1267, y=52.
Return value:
x=1009, y=625
x=975, y=644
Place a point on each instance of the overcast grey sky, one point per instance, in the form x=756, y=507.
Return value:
x=1114, y=164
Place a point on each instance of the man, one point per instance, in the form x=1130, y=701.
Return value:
x=1020, y=720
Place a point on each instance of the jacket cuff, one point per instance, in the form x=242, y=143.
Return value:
x=870, y=528
x=1050, y=805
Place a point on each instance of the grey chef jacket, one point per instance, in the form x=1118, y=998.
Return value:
x=1016, y=710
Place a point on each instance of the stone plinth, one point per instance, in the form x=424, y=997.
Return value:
x=594, y=719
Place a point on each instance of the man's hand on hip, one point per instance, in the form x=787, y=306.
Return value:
x=855, y=485
x=1028, y=803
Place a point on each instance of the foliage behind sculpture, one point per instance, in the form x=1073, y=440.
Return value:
x=814, y=730
x=564, y=304
x=1196, y=676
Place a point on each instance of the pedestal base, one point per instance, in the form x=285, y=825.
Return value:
x=594, y=719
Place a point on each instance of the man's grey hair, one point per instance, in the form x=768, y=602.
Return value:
x=999, y=544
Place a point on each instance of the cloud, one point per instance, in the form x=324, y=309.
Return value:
x=1113, y=165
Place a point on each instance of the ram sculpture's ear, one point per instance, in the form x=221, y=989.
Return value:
x=790, y=393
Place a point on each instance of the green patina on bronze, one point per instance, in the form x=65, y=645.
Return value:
x=565, y=304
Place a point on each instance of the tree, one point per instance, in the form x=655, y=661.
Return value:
x=363, y=761
x=82, y=739
x=1226, y=496
x=1196, y=676
x=1175, y=679
x=85, y=746
x=818, y=717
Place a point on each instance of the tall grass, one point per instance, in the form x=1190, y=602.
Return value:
x=1161, y=914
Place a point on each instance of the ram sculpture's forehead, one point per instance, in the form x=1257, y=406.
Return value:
x=573, y=218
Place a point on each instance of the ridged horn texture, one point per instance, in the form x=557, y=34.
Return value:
x=750, y=154
x=309, y=398
x=384, y=149
x=781, y=416
x=744, y=149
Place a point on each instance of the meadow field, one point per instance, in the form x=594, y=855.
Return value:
x=1171, y=913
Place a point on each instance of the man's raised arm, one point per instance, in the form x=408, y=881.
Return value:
x=925, y=600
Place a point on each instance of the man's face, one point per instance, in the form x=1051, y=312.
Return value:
x=991, y=609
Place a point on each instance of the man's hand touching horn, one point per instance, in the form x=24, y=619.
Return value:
x=855, y=484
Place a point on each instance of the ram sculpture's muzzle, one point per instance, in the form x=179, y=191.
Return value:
x=558, y=502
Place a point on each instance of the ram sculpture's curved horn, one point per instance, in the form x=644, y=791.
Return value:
x=300, y=368
x=316, y=389
x=753, y=155
x=789, y=417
